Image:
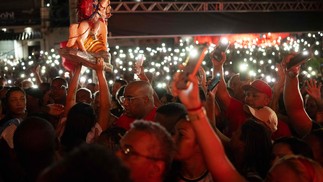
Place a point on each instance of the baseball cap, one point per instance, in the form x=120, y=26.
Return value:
x=265, y=115
x=260, y=86
x=34, y=92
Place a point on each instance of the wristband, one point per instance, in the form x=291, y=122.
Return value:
x=196, y=115
x=195, y=109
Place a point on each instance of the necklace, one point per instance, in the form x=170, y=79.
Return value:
x=203, y=175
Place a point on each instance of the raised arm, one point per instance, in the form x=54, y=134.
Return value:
x=222, y=93
x=211, y=108
x=36, y=70
x=313, y=89
x=217, y=162
x=293, y=100
x=71, y=92
x=105, y=100
x=70, y=100
x=203, y=81
x=142, y=76
x=278, y=88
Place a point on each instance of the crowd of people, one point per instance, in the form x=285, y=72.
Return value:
x=241, y=130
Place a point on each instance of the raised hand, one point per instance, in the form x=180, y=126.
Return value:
x=55, y=109
x=218, y=62
x=278, y=87
x=190, y=96
x=99, y=64
x=203, y=78
x=313, y=88
x=141, y=73
x=292, y=72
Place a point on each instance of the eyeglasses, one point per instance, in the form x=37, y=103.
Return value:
x=128, y=150
x=123, y=99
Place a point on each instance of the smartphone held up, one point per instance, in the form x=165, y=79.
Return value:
x=191, y=65
x=221, y=47
x=299, y=59
x=138, y=63
x=213, y=83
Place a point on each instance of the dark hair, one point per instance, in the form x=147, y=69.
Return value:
x=111, y=138
x=258, y=147
x=8, y=94
x=34, y=92
x=91, y=84
x=13, y=89
x=120, y=93
x=87, y=163
x=35, y=144
x=85, y=90
x=169, y=97
x=80, y=120
x=61, y=80
x=165, y=148
x=173, y=112
x=172, y=108
x=121, y=81
x=297, y=146
x=161, y=92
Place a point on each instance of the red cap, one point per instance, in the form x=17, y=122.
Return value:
x=260, y=86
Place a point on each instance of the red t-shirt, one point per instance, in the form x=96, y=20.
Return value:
x=282, y=130
x=235, y=115
x=125, y=121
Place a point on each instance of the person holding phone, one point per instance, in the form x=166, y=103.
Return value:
x=257, y=95
x=191, y=66
x=209, y=143
x=293, y=100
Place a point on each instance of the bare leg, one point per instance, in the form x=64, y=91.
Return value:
x=83, y=32
x=73, y=35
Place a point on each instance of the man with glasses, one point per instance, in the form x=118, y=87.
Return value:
x=147, y=149
x=138, y=102
x=58, y=90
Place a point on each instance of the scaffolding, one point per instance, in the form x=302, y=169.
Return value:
x=216, y=7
